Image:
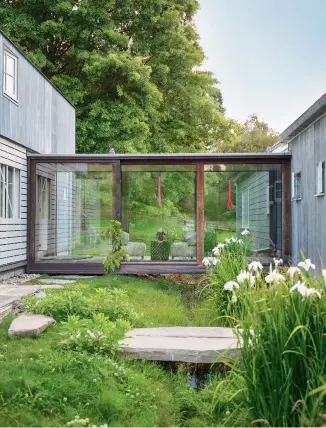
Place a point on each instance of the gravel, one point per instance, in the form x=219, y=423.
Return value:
x=19, y=279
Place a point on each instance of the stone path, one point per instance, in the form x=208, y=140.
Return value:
x=187, y=344
x=29, y=325
x=56, y=281
x=10, y=295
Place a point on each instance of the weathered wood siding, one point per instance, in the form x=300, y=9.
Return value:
x=42, y=120
x=308, y=215
x=13, y=232
x=259, y=223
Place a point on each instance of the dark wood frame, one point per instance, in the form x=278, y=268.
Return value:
x=159, y=159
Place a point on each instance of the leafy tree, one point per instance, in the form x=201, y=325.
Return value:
x=130, y=67
x=252, y=136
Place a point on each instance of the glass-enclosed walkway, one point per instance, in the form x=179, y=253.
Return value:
x=174, y=209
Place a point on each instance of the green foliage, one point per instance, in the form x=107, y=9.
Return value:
x=118, y=253
x=95, y=335
x=83, y=302
x=131, y=68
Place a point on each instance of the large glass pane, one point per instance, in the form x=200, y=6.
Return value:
x=74, y=209
x=159, y=212
x=244, y=202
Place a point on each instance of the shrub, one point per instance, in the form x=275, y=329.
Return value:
x=82, y=301
x=283, y=324
x=96, y=335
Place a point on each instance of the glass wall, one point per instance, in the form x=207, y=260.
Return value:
x=158, y=212
x=244, y=202
x=74, y=206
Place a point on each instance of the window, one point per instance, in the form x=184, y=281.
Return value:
x=44, y=198
x=245, y=208
x=9, y=192
x=10, y=75
x=278, y=191
x=320, y=179
x=296, y=186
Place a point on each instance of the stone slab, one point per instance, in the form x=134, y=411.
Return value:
x=19, y=291
x=76, y=276
x=56, y=281
x=29, y=325
x=186, y=344
x=40, y=295
x=45, y=286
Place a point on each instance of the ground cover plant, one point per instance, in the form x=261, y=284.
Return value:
x=59, y=379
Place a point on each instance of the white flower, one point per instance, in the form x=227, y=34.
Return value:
x=245, y=276
x=275, y=277
x=217, y=250
x=234, y=298
x=206, y=261
x=305, y=291
x=293, y=270
x=240, y=241
x=324, y=274
x=306, y=265
x=245, y=232
x=90, y=334
x=278, y=262
x=255, y=266
x=230, y=285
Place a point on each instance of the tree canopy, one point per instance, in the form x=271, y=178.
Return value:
x=131, y=68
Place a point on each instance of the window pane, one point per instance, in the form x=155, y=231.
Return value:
x=10, y=192
x=16, y=201
x=2, y=191
x=9, y=85
x=74, y=209
x=10, y=65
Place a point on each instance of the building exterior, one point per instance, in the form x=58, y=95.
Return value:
x=305, y=138
x=34, y=118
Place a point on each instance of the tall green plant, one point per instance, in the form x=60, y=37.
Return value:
x=118, y=252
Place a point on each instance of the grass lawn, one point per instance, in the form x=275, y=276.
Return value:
x=44, y=383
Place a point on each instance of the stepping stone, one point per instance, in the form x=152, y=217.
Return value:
x=29, y=325
x=19, y=291
x=56, y=281
x=45, y=286
x=187, y=344
x=76, y=277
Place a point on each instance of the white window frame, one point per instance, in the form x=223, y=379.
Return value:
x=14, y=96
x=9, y=207
x=320, y=179
x=245, y=215
x=296, y=196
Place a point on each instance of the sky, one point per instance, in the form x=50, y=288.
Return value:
x=268, y=55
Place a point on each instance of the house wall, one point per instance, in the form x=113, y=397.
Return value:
x=259, y=223
x=308, y=215
x=13, y=232
x=42, y=121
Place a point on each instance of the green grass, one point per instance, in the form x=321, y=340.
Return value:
x=43, y=383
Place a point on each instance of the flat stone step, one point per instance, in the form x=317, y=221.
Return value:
x=29, y=325
x=19, y=290
x=56, y=281
x=185, y=344
x=76, y=276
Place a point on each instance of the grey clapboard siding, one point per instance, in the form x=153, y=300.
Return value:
x=259, y=224
x=13, y=232
x=308, y=215
x=42, y=120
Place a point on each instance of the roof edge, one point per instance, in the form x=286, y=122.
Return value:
x=307, y=118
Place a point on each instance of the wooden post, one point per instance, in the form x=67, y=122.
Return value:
x=286, y=211
x=200, y=212
x=116, y=190
x=31, y=213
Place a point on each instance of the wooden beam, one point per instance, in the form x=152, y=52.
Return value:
x=200, y=180
x=286, y=211
x=31, y=212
